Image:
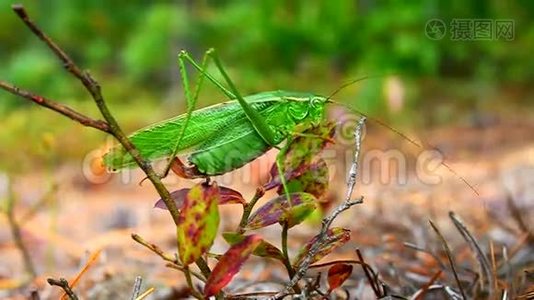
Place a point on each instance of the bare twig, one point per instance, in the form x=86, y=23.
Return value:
x=449, y=256
x=57, y=107
x=173, y=262
x=16, y=232
x=93, y=87
x=354, y=167
x=473, y=244
x=137, y=287
x=322, y=237
x=64, y=284
x=39, y=205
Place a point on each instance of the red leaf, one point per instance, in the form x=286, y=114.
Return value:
x=230, y=196
x=227, y=196
x=199, y=221
x=278, y=210
x=230, y=263
x=337, y=274
x=337, y=237
x=264, y=249
x=178, y=196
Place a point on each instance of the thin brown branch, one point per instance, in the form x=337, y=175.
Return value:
x=17, y=235
x=55, y=106
x=449, y=256
x=93, y=87
x=64, y=284
x=173, y=262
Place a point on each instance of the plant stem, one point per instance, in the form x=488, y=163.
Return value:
x=189, y=280
x=247, y=210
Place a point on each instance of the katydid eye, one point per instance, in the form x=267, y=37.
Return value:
x=298, y=112
x=315, y=102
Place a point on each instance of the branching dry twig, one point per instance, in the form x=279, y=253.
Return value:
x=110, y=125
x=173, y=262
x=322, y=237
x=64, y=284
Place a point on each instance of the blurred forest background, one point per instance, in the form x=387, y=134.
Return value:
x=132, y=46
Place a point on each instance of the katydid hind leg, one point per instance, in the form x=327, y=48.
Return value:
x=184, y=56
x=255, y=118
x=259, y=123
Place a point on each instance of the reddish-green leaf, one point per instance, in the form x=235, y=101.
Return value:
x=278, y=210
x=199, y=221
x=313, y=180
x=337, y=274
x=230, y=263
x=264, y=249
x=230, y=196
x=227, y=196
x=302, y=151
x=337, y=237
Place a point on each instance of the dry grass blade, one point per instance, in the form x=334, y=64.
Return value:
x=421, y=293
x=481, y=257
x=145, y=294
x=92, y=258
x=449, y=256
x=374, y=285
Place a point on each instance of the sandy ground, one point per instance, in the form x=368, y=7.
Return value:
x=82, y=217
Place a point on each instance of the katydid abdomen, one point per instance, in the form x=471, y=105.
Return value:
x=220, y=138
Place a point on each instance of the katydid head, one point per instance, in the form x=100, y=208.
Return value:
x=305, y=106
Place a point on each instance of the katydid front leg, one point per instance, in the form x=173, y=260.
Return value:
x=190, y=103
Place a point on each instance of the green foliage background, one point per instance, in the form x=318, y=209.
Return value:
x=132, y=46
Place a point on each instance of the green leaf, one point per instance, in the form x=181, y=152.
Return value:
x=336, y=236
x=230, y=263
x=278, y=210
x=199, y=221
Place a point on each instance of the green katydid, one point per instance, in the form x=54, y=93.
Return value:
x=249, y=126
